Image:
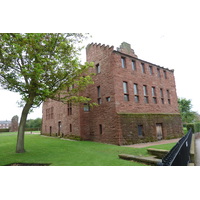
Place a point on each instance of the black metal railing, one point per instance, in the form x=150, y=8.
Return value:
x=179, y=155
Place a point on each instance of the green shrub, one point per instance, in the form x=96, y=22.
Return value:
x=4, y=130
x=190, y=126
x=197, y=127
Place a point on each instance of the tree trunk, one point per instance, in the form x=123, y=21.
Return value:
x=21, y=129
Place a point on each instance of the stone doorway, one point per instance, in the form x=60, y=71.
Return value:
x=159, y=131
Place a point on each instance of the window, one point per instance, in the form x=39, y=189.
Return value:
x=69, y=109
x=123, y=62
x=145, y=90
x=100, y=129
x=154, y=95
x=136, y=96
x=98, y=69
x=108, y=99
x=49, y=113
x=165, y=74
x=153, y=91
x=161, y=95
x=151, y=70
x=125, y=88
x=158, y=72
x=86, y=107
x=142, y=68
x=146, y=100
x=133, y=65
x=140, y=130
x=99, y=95
x=168, y=97
x=70, y=128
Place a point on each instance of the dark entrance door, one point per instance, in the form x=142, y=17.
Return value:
x=159, y=131
x=59, y=128
x=50, y=130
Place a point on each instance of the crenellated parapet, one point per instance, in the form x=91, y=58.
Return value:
x=100, y=46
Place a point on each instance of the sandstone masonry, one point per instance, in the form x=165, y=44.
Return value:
x=137, y=101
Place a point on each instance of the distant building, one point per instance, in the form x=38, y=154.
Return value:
x=5, y=124
x=11, y=125
x=137, y=101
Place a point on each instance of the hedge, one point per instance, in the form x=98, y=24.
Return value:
x=194, y=126
x=197, y=127
x=4, y=130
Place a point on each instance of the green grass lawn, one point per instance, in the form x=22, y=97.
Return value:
x=58, y=152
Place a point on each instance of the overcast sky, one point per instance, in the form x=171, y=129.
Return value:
x=165, y=33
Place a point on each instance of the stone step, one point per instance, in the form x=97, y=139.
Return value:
x=146, y=160
x=159, y=153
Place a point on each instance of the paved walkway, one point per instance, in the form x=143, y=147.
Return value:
x=141, y=145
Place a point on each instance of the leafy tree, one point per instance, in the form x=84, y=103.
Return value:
x=185, y=106
x=38, y=66
x=34, y=123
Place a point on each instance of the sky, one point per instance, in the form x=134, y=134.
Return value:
x=165, y=33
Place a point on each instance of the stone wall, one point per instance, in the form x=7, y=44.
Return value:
x=59, y=123
x=138, y=77
x=171, y=127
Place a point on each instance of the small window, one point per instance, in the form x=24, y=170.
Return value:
x=133, y=65
x=140, y=130
x=51, y=112
x=99, y=95
x=142, y=68
x=145, y=90
x=168, y=97
x=154, y=100
x=70, y=128
x=86, y=107
x=135, y=89
x=153, y=91
x=161, y=95
x=100, y=129
x=154, y=95
x=161, y=92
x=123, y=62
x=165, y=74
x=99, y=101
x=98, y=69
x=108, y=99
x=69, y=108
x=151, y=70
x=136, y=96
x=158, y=72
x=125, y=88
x=146, y=99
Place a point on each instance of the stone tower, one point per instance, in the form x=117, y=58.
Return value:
x=14, y=124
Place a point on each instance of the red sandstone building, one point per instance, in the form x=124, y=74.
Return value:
x=137, y=101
